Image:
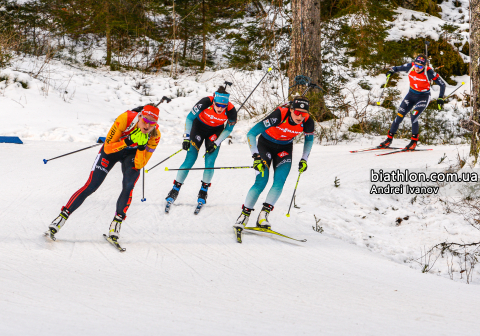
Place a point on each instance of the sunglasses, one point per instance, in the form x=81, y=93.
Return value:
x=419, y=66
x=300, y=113
x=148, y=122
x=221, y=105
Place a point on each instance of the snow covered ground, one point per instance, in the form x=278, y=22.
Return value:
x=185, y=274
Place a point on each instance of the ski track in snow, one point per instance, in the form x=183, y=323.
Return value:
x=185, y=274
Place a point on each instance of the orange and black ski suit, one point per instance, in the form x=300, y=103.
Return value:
x=116, y=150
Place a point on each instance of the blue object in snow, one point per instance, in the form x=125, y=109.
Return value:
x=11, y=139
x=101, y=140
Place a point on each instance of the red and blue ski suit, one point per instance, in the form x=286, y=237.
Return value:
x=418, y=97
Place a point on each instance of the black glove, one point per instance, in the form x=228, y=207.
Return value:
x=211, y=148
x=258, y=163
x=440, y=102
x=141, y=148
x=302, y=165
x=390, y=72
x=186, y=144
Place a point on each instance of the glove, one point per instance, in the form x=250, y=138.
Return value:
x=141, y=148
x=390, y=72
x=258, y=163
x=302, y=166
x=440, y=103
x=186, y=143
x=137, y=137
x=211, y=148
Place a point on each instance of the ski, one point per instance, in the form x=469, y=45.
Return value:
x=50, y=234
x=372, y=149
x=260, y=230
x=404, y=150
x=198, y=208
x=114, y=243
x=238, y=233
x=168, y=206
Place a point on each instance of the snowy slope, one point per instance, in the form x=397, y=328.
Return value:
x=185, y=274
x=68, y=103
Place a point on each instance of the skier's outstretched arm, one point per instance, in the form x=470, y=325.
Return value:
x=307, y=146
x=199, y=107
x=432, y=75
x=406, y=67
x=252, y=136
x=309, y=131
x=232, y=120
x=113, y=143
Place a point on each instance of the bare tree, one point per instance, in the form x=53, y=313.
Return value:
x=475, y=74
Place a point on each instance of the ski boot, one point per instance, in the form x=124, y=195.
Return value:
x=413, y=143
x=114, y=232
x=115, y=226
x=202, y=197
x=202, y=194
x=57, y=223
x=242, y=220
x=172, y=195
x=388, y=140
x=262, y=220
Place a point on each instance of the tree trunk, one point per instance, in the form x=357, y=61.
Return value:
x=306, y=50
x=108, y=33
x=475, y=75
x=185, y=34
x=204, y=33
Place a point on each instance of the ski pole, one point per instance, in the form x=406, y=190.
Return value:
x=463, y=83
x=261, y=80
x=147, y=170
x=291, y=202
x=246, y=167
x=379, y=98
x=143, y=186
x=45, y=161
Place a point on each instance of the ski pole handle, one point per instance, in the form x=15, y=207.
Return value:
x=294, y=191
x=45, y=161
x=246, y=167
x=147, y=170
x=388, y=78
